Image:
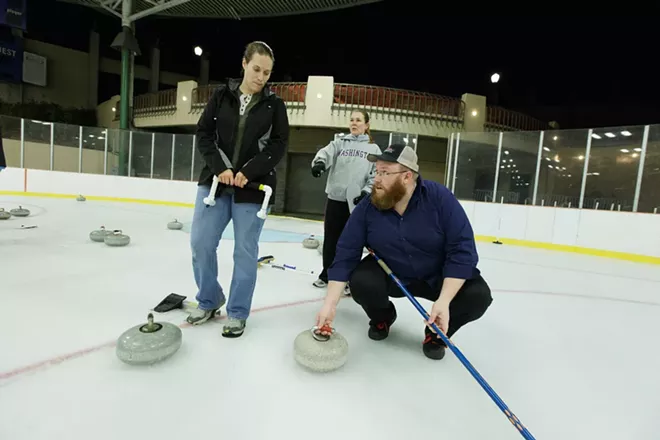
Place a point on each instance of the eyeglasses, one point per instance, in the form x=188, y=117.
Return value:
x=388, y=173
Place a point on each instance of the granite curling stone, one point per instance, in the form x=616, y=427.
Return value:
x=117, y=238
x=175, y=225
x=149, y=343
x=310, y=242
x=99, y=235
x=4, y=215
x=81, y=198
x=320, y=353
x=20, y=212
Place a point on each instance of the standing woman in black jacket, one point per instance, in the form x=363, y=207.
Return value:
x=242, y=134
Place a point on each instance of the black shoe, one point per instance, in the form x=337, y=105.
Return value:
x=381, y=330
x=433, y=346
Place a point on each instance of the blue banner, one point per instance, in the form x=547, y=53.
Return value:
x=11, y=60
x=12, y=13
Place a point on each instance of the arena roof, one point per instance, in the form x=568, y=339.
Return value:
x=233, y=9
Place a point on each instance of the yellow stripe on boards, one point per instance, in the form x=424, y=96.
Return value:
x=636, y=258
x=99, y=198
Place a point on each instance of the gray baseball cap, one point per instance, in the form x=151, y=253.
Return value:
x=397, y=153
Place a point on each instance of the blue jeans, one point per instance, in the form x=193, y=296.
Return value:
x=209, y=222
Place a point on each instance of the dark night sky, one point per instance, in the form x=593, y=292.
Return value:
x=580, y=71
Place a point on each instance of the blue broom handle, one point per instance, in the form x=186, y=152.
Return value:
x=493, y=395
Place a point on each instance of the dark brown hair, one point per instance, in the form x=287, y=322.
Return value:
x=258, y=47
x=366, y=120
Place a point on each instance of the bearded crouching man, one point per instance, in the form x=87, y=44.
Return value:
x=421, y=231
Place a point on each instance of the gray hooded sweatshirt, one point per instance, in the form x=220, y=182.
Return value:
x=348, y=169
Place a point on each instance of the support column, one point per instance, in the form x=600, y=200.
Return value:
x=154, y=74
x=124, y=108
x=125, y=92
x=93, y=64
x=204, y=67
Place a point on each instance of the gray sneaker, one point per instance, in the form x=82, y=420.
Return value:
x=234, y=328
x=199, y=316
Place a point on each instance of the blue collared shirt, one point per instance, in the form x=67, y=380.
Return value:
x=433, y=239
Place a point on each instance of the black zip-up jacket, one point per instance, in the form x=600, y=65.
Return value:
x=264, y=144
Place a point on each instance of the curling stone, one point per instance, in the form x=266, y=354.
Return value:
x=99, y=235
x=320, y=353
x=81, y=198
x=20, y=212
x=4, y=215
x=175, y=225
x=116, y=238
x=310, y=242
x=149, y=343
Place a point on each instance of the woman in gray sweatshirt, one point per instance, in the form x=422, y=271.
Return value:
x=350, y=178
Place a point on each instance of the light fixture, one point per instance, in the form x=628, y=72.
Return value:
x=494, y=78
x=610, y=135
x=185, y=98
x=506, y=152
x=595, y=136
x=580, y=157
x=638, y=149
x=474, y=113
x=546, y=148
x=554, y=138
x=634, y=155
x=624, y=150
x=626, y=133
x=319, y=96
x=198, y=51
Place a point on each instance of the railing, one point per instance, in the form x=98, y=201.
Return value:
x=402, y=102
x=160, y=102
x=606, y=168
x=346, y=96
x=293, y=93
x=94, y=150
x=615, y=168
x=501, y=119
x=388, y=101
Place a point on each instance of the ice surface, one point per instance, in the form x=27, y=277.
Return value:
x=569, y=343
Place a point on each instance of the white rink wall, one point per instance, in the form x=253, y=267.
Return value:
x=624, y=235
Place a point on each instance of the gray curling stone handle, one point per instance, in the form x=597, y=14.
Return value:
x=150, y=326
x=318, y=336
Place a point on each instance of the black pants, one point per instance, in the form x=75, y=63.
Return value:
x=372, y=288
x=336, y=216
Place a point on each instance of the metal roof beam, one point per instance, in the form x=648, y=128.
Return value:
x=156, y=9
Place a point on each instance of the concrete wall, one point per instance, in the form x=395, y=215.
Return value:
x=70, y=76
